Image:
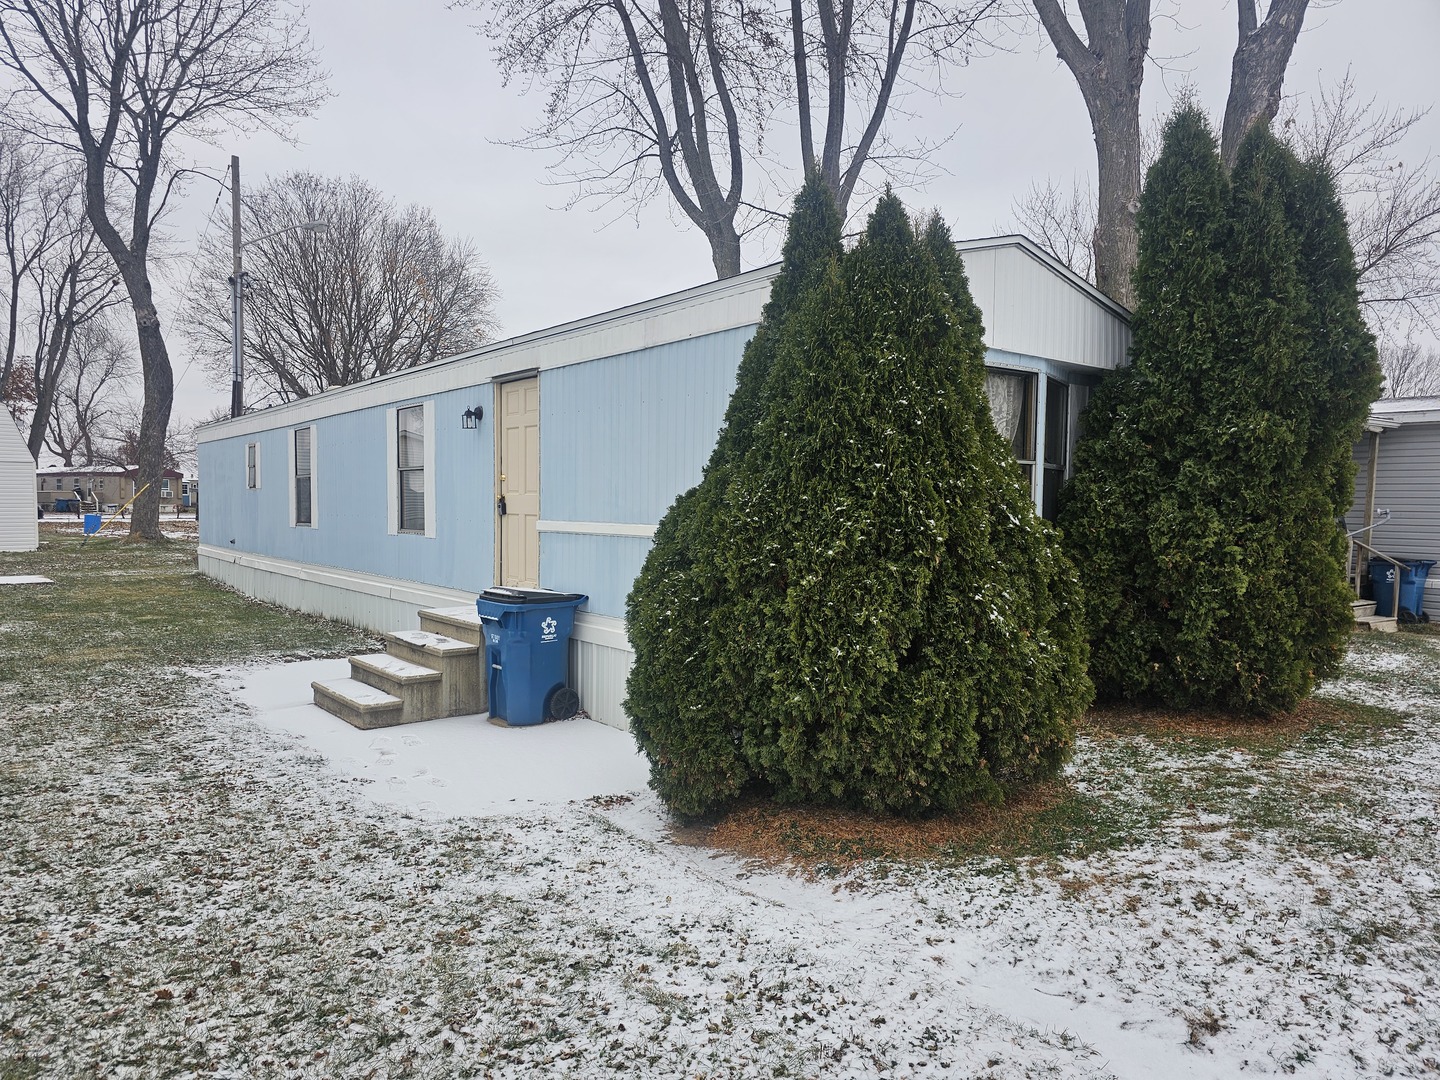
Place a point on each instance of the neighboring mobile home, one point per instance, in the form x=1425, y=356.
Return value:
x=99, y=488
x=548, y=459
x=19, y=520
x=1398, y=470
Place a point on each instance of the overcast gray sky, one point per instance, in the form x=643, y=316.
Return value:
x=418, y=111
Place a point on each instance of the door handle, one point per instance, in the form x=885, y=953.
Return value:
x=500, y=506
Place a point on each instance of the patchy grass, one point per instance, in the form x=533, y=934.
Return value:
x=118, y=607
x=1139, y=775
x=182, y=895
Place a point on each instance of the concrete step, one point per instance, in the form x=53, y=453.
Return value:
x=458, y=622
x=1382, y=623
x=463, y=690
x=1363, y=608
x=420, y=688
x=358, y=704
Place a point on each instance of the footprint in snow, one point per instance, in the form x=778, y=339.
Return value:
x=397, y=783
x=421, y=772
x=411, y=740
x=435, y=781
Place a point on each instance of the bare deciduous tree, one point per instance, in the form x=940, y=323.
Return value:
x=1062, y=222
x=645, y=95
x=862, y=51
x=115, y=84
x=681, y=95
x=1257, y=71
x=87, y=400
x=1109, y=68
x=1410, y=371
x=381, y=289
x=1393, y=205
x=31, y=212
x=73, y=283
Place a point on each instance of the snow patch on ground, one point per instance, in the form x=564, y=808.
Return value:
x=1218, y=952
x=459, y=766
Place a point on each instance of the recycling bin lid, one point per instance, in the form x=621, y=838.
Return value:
x=506, y=595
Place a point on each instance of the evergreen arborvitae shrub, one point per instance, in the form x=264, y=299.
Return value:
x=899, y=632
x=1203, y=511
x=681, y=701
x=1127, y=520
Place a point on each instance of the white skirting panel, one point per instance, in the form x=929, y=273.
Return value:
x=600, y=653
x=376, y=603
x=598, y=671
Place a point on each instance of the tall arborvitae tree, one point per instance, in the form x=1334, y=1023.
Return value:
x=1203, y=511
x=1125, y=521
x=681, y=700
x=1342, y=355
x=898, y=632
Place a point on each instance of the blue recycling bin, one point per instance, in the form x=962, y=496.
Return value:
x=527, y=653
x=92, y=524
x=1413, y=575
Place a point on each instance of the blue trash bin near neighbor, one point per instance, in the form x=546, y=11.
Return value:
x=1413, y=575
x=527, y=653
x=92, y=524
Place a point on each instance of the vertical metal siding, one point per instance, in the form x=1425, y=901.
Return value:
x=19, y=524
x=1029, y=309
x=623, y=436
x=601, y=567
x=351, y=480
x=598, y=674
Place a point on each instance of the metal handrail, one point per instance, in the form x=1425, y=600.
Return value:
x=1372, y=525
x=1399, y=571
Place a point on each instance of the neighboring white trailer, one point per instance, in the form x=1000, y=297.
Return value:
x=19, y=527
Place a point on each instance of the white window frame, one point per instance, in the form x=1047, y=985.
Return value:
x=314, y=521
x=392, y=469
x=252, y=477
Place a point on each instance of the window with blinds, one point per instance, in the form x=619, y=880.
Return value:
x=303, y=503
x=410, y=451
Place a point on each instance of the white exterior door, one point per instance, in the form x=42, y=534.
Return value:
x=517, y=483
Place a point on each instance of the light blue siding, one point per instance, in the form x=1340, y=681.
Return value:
x=621, y=437
x=351, y=503
x=601, y=567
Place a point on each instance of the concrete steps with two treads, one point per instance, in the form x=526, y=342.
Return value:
x=1366, y=619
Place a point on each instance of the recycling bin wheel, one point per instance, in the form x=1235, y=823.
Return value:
x=562, y=704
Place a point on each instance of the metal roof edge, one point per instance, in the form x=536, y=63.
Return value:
x=748, y=279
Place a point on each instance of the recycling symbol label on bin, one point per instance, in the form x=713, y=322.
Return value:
x=547, y=629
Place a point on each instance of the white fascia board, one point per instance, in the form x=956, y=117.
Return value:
x=706, y=309
x=1387, y=420
x=597, y=528
x=603, y=630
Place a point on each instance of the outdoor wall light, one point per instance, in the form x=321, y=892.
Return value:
x=470, y=418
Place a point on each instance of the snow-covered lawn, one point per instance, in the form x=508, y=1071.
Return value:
x=201, y=874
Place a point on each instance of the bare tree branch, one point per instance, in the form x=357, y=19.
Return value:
x=380, y=290
x=113, y=83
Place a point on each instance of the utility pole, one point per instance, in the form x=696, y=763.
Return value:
x=237, y=289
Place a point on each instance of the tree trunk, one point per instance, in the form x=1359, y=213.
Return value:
x=1117, y=237
x=724, y=249
x=1257, y=72
x=1109, y=70
x=155, y=416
